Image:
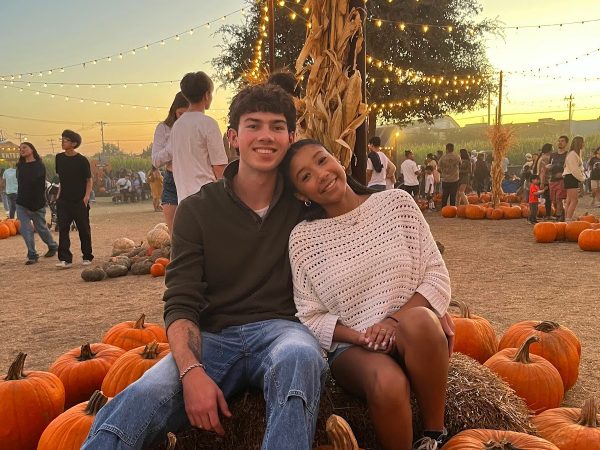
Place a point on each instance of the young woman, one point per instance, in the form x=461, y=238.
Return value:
x=160, y=157
x=31, y=202
x=594, y=167
x=370, y=283
x=464, y=176
x=573, y=174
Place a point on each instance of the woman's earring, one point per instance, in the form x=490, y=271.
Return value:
x=307, y=203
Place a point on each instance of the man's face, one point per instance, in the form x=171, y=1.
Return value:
x=562, y=143
x=262, y=139
x=67, y=144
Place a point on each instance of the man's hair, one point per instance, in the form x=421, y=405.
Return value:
x=195, y=85
x=375, y=141
x=428, y=168
x=268, y=98
x=566, y=138
x=449, y=147
x=407, y=153
x=285, y=80
x=534, y=176
x=547, y=148
x=72, y=136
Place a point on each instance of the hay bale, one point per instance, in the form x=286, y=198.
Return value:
x=476, y=398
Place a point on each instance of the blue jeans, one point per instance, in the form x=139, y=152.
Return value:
x=280, y=357
x=38, y=217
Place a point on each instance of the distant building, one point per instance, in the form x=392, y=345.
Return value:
x=9, y=151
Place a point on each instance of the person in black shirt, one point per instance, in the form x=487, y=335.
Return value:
x=73, y=170
x=31, y=202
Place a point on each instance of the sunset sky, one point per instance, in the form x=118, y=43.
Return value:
x=40, y=35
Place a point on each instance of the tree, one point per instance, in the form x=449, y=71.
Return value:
x=110, y=150
x=425, y=39
x=147, y=152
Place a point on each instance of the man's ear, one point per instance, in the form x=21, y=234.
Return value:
x=232, y=138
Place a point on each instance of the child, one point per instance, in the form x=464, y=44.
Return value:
x=534, y=201
x=429, y=186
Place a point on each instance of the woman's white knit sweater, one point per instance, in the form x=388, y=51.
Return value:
x=364, y=265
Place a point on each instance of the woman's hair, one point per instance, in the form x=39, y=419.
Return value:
x=178, y=102
x=314, y=210
x=546, y=148
x=577, y=144
x=35, y=154
x=464, y=154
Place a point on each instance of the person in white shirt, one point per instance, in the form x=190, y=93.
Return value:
x=377, y=165
x=196, y=143
x=410, y=173
x=370, y=283
x=162, y=157
x=429, y=187
x=573, y=175
x=124, y=187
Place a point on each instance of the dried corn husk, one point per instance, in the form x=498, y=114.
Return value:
x=501, y=138
x=332, y=108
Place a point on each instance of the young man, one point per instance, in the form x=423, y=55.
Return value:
x=227, y=336
x=410, y=173
x=196, y=143
x=11, y=188
x=558, y=193
x=75, y=177
x=449, y=167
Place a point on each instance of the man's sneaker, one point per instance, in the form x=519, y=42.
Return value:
x=29, y=262
x=50, y=253
x=63, y=265
x=86, y=262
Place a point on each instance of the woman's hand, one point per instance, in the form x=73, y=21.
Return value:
x=448, y=326
x=379, y=337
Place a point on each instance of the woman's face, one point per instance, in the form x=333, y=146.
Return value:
x=317, y=176
x=180, y=111
x=25, y=150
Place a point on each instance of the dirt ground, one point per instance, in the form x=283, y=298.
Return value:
x=495, y=266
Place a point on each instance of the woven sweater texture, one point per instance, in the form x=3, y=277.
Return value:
x=364, y=265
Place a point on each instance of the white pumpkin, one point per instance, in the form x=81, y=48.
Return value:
x=122, y=245
x=158, y=238
x=162, y=226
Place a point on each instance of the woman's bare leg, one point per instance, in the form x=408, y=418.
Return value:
x=169, y=213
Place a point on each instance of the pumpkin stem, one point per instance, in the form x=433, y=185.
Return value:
x=15, y=371
x=465, y=313
x=86, y=353
x=150, y=351
x=504, y=445
x=172, y=441
x=547, y=326
x=139, y=324
x=97, y=401
x=589, y=414
x=522, y=355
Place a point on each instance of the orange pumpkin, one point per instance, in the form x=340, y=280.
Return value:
x=132, y=365
x=595, y=226
x=461, y=211
x=511, y=212
x=557, y=344
x=4, y=231
x=157, y=270
x=574, y=229
x=28, y=403
x=69, y=430
x=11, y=226
x=478, y=439
x=560, y=230
x=485, y=197
x=17, y=223
x=449, y=211
x=524, y=210
x=82, y=370
x=473, y=199
x=533, y=378
x=474, y=212
x=571, y=428
x=129, y=335
x=588, y=218
x=544, y=232
x=164, y=261
x=474, y=335
x=589, y=240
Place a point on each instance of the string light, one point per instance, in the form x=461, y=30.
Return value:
x=552, y=66
x=120, y=54
x=94, y=85
x=254, y=73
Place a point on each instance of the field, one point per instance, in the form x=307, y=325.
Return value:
x=495, y=267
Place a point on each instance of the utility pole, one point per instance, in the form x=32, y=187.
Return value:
x=20, y=136
x=570, y=99
x=271, y=36
x=489, y=107
x=102, y=133
x=52, y=144
x=499, y=118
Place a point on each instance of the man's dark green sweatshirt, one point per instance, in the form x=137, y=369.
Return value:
x=230, y=267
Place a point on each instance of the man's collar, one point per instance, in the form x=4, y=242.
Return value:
x=231, y=171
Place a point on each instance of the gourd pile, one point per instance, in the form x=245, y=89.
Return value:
x=585, y=231
x=480, y=207
x=55, y=409
x=9, y=228
x=150, y=257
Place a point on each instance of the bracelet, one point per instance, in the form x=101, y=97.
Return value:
x=193, y=366
x=393, y=318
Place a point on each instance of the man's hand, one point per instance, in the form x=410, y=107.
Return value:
x=448, y=326
x=203, y=400
x=86, y=200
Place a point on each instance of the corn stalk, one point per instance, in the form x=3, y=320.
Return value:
x=332, y=108
x=501, y=138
